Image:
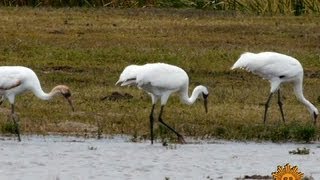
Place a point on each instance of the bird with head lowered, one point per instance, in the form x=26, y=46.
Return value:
x=277, y=68
x=160, y=80
x=15, y=80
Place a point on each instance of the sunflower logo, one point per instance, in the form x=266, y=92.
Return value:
x=287, y=173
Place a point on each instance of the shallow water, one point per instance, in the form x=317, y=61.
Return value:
x=68, y=158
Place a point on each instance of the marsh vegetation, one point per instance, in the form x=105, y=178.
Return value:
x=256, y=7
x=88, y=48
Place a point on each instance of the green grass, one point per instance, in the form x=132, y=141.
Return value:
x=87, y=49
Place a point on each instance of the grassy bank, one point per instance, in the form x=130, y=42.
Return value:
x=87, y=49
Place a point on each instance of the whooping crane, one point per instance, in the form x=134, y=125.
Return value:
x=15, y=80
x=159, y=80
x=277, y=68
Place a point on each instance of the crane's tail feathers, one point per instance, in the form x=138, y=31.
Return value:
x=118, y=82
x=240, y=67
x=234, y=67
x=244, y=62
x=127, y=82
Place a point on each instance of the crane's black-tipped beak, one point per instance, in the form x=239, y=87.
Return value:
x=315, y=118
x=205, y=97
x=68, y=98
x=70, y=103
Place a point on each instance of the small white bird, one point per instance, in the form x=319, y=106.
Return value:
x=159, y=80
x=15, y=80
x=277, y=68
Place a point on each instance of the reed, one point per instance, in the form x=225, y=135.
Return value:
x=260, y=7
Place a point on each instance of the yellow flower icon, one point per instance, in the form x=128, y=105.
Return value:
x=287, y=173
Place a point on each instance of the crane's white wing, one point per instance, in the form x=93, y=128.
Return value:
x=8, y=82
x=162, y=75
x=269, y=65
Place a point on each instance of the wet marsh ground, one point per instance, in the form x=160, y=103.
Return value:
x=87, y=49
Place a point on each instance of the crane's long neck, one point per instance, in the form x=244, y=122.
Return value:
x=43, y=95
x=195, y=93
x=298, y=90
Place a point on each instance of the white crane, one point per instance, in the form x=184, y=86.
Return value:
x=159, y=80
x=277, y=68
x=15, y=80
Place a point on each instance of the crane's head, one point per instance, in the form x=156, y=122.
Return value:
x=205, y=97
x=205, y=93
x=314, y=112
x=315, y=115
x=65, y=92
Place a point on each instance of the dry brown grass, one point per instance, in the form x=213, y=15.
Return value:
x=257, y=7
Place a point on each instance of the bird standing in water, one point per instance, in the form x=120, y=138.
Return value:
x=15, y=80
x=160, y=80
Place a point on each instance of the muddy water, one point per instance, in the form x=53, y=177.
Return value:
x=68, y=158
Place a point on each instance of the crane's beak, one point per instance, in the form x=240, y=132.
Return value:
x=70, y=103
x=68, y=98
x=205, y=97
x=118, y=82
x=315, y=118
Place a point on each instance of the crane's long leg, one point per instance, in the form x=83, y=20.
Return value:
x=15, y=118
x=266, y=108
x=180, y=137
x=151, y=123
x=280, y=105
x=1, y=100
